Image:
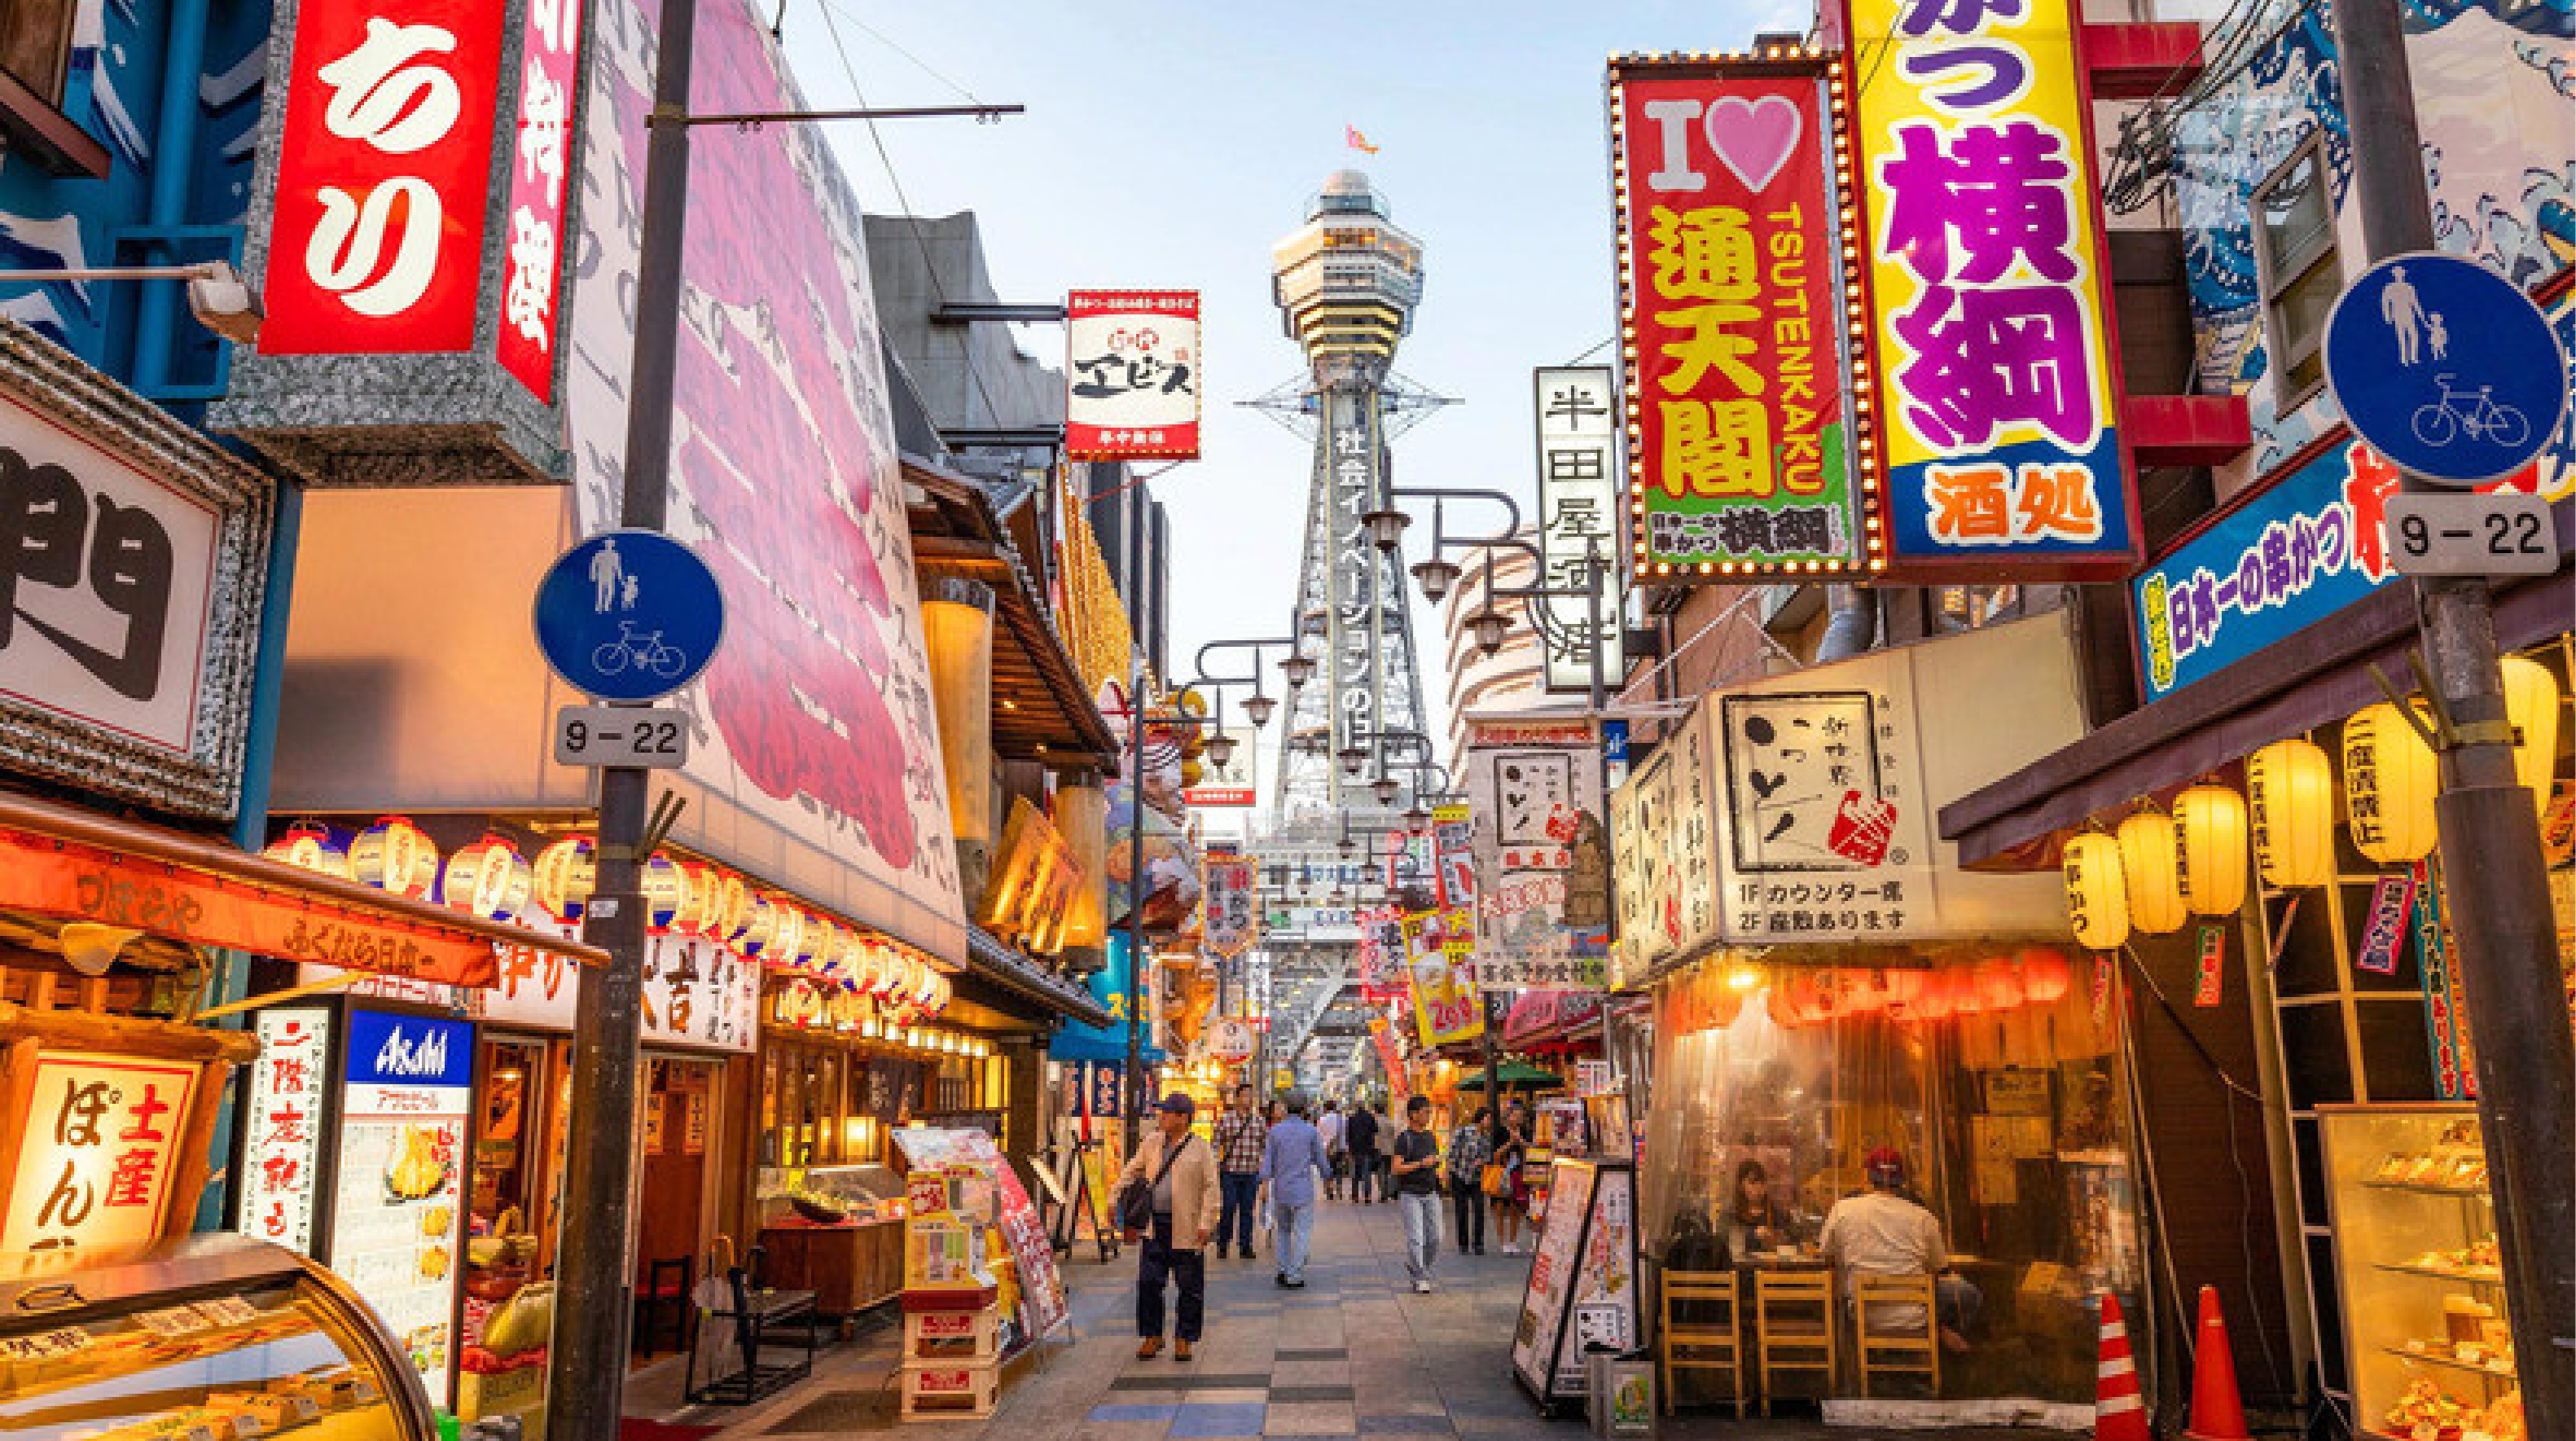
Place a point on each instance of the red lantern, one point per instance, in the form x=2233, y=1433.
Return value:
x=1900, y=988
x=1998, y=985
x=1783, y=1013
x=2045, y=975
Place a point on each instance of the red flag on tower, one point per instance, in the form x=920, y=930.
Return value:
x=1352, y=137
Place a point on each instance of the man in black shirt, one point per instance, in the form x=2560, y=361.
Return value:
x=1417, y=1190
x=1361, y=1137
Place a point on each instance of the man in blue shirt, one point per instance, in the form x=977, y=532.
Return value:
x=1290, y=1157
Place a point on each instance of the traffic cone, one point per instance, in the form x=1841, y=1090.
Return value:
x=2217, y=1413
x=2119, y=1412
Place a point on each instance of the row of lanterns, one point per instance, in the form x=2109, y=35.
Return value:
x=2035, y=976
x=803, y=1005
x=2156, y=870
x=491, y=879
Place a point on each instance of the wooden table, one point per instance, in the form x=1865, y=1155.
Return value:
x=850, y=1266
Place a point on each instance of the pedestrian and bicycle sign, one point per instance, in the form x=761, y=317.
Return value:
x=2446, y=368
x=629, y=615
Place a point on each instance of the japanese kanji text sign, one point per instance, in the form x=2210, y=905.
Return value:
x=1531, y=805
x=1997, y=401
x=1578, y=517
x=1812, y=812
x=95, y=1150
x=1445, y=1003
x=282, y=1126
x=377, y=238
x=540, y=166
x=1131, y=375
x=1229, y=887
x=1663, y=858
x=1732, y=319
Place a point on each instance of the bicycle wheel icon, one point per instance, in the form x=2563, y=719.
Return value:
x=610, y=658
x=2506, y=426
x=2435, y=425
x=666, y=661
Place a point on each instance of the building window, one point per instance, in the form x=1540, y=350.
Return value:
x=35, y=44
x=2294, y=226
x=35, y=59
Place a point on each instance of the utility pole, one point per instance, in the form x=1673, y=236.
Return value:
x=2499, y=903
x=586, y=1365
x=1136, y=889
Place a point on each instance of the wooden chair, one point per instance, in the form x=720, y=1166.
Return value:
x=1794, y=1311
x=1703, y=1330
x=1885, y=1349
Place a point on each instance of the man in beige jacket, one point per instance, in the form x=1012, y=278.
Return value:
x=1185, y=1211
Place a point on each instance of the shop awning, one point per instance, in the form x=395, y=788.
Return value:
x=1513, y=1073
x=989, y=958
x=70, y=864
x=1041, y=709
x=2316, y=677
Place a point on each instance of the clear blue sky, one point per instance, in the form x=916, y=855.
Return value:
x=1169, y=144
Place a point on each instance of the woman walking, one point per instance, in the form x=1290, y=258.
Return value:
x=1470, y=1146
x=1511, y=1149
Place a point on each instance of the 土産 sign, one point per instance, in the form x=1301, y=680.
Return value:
x=96, y=1150
x=1997, y=404
x=1734, y=329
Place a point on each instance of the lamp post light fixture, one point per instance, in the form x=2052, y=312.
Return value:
x=1353, y=757
x=217, y=295
x=1298, y=669
x=1491, y=628
x=1386, y=528
x=1417, y=819
x=1220, y=749
x=1436, y=577
x=1386, y=788
x=1258, y=708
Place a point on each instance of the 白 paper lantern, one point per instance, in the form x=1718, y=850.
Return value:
x=567, y=871
x=830, y=940
x=2045, y=975
x=489, y=879
x=2097, y=893
x=728, y=908
x=311, y=847
x=393, y=855
x=2531, y=708
x=760, y=922
x=786, y=945
x=2209, y=849
x=666, y=890
x=2290, y=806
x=2390, y=777
x=2151, y=872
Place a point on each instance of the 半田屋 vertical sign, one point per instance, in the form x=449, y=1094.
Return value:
x=1578, y=516
x=1997, y=402
x=1734, y=333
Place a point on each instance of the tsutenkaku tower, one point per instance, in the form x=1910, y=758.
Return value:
x=1346, y=283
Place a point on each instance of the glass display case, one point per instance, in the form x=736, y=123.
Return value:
x=2427, y=1345
x=836, y=1231
x=208, y=1338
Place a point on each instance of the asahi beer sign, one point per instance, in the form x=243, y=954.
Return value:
x=131, y=553
x=1132, y=375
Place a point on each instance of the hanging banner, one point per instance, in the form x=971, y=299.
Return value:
x=1231, y=887
x=1453, y=842
x=1131, y=375
x=2383, y=935
x=2210, y=986
x=1578, y=518
x=1733, y=320
x=1988, y=294
x=1663, y=859
x=1535, y=805
x=1445, y=1004
x=540, y=166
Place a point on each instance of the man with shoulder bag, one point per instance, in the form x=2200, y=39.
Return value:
x=1168, y=1197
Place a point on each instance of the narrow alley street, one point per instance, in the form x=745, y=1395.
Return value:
x=1356, y=1353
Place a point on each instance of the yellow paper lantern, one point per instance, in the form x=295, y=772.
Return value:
x=2290, y=807
x=488, y=878
x=666, y=890
x=311, y=847
x=393, y=855
x=697, y=895
x=728, y=907
x=2097, y=899
x=2209, y=849
x=2389, y=779
x=760, y=924
x=567, y=871
x=2151, y=869
x=2531, y=707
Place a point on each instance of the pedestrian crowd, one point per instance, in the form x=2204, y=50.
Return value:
x=1261, y=1171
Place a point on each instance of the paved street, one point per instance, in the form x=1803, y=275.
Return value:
x=1354, y=1354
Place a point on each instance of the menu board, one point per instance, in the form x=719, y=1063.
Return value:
x=398, y=1199
x=1042, y=1300
x=1553, y=1265
x=1583, y=1290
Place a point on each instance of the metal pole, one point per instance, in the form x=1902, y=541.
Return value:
x=2490, y=834
x=1596, y=575
x=1136, y=822
x=586, y=1368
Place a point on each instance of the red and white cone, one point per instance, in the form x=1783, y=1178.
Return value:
x=2119, y=1412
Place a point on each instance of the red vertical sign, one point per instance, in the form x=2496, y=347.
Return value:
x=540, y=164
x=384, y=157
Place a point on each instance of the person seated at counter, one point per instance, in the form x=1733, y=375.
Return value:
x=1884, y=1232
x=1755, y=1221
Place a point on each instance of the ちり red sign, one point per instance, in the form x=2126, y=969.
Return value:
x=382, y=175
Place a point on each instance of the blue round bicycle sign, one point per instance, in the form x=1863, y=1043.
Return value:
x=629, y=615
x=2445, y=367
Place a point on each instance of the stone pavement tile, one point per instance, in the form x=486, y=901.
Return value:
x=1325, y=1418
x=1310, y=1373
x=1133, y=1411
x=1197, y=1420
x=1226, y=1396
x=1383, y=1423
x=1315, y=1353
x=1121, y=1431
x=1298, y=1395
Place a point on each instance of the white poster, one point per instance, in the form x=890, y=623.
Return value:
x=1531, y=802
x=1578, y=504
x=282, y=1126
